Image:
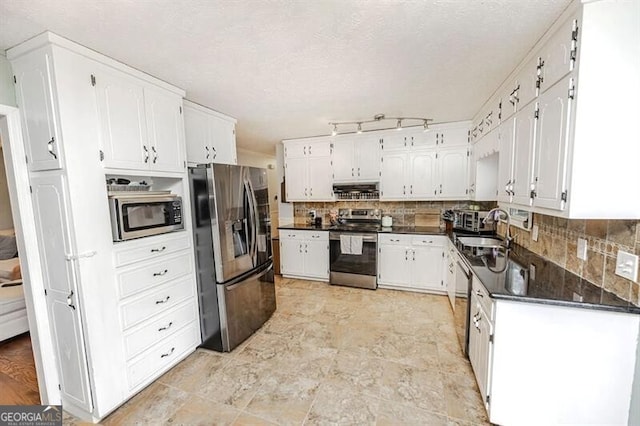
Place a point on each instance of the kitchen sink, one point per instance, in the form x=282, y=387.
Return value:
x=488, y=242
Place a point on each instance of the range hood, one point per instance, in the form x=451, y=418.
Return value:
x=356, y=191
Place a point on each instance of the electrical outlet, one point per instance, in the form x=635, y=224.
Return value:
x=534, y=232
x=582, y=249
x=312, y=214
x=627, y=265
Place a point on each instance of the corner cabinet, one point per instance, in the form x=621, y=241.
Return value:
x=141, y=127
x=210, y=135
x=76, y=103
x=304, y=254
x=308, y=170
x=411, y=262
x=556, y=155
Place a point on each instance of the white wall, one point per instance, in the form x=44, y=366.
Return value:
x=5, y=208
x=7, y=89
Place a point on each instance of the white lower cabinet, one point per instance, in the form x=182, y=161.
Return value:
x=450, y=272
x=158, y=308
x=304, y=254
x=412, y=262
x=481, y=337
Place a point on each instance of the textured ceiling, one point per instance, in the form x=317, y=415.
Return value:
x=284, y=68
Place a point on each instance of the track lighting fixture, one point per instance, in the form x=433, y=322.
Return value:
x=378, y=118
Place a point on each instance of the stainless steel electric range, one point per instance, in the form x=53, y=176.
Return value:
x=353, y=248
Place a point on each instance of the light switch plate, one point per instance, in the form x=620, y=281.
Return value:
x=582, y=249
x=627, y=265
x=534, y=232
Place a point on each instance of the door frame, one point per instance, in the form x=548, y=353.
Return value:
x=27, y=241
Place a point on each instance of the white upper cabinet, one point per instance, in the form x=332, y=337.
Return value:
x=452, y=173
x=527, y=84
x=356, y=158
x=505, y=160
x=395, y=168
x=210, y=136
x=36, y=101
x=140, y=125
x=422, y=178
x=524, y=144
x=307, y=168
x=557, y=53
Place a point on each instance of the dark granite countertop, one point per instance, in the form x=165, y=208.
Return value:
x=523, y=276
x=422, y=230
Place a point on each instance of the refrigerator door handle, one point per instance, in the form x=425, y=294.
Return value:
x=258, y=275
x=255, y=222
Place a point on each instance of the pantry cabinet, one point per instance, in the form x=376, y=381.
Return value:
x=414, y=262
x=304, y=254
x=141, y=126
x=210, y=136
x=356, y=158
x=308, y=171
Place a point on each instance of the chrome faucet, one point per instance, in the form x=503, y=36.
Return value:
x=493, y=215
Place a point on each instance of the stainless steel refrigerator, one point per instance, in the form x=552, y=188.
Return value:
x=232, y=240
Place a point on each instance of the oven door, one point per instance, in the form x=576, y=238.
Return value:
x=140, y=217
x=354, y=270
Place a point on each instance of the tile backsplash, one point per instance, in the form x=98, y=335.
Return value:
x=558, y=239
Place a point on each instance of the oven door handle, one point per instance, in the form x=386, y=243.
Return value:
x=365, y=238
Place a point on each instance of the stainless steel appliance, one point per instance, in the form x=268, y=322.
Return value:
x=354, y=268
x=462, y=306
x=472, y=221
x=232, y=240
x=135, y=215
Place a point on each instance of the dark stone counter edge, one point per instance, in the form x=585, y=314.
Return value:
x=422, y=230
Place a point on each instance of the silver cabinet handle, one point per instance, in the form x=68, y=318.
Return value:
x=70, y=301
x=165, y=300
x=358, y=171
x=208, y=153
x=479, y=294
x=50, y=147
x=441, y=188
x=414, y=254
x=166, y=327
x=155, y=154
x=411, y=189
x=300, y=248
x=352, y=172
x=427, y=242
x=168, y=353
x=305, y=248
x=160, y=250
x=159, y=274
x=146, y=153
x=404, y=189
x=406, y=255
x=215, y=153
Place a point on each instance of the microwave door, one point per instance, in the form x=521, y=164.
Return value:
x=232, y=227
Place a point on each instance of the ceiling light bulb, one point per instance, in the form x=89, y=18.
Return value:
x=335, y=130
x=399, y=125
x=359, y=127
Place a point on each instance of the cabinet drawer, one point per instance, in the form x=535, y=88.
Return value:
x=152, y=274
x=144, y=249
x=157, y=329
x=155, y=302
x=483, y=297
x=161, y=355
x=394, y=239
x=292, y=234
x=428, y=240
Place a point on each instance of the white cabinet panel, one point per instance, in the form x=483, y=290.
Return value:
x=527, y=80
x=392, y=179
x=392, y=265
x=165, y=131
x=308, y=171
x=368, y=158
x=123, y=125
x=197, y=136
x=428, y=264
x=223, y=141
x=505, y=162
x=304, y=254
x=297, y=179
x=36, y=102
x=551, y=146
x=316, y=259
x=342, y=155
x=320, y=187
x=453, y=169
x=524, y=144
x=556, y=55
x=423, y=171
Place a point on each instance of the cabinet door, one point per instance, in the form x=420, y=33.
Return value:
x=319, y=177
x=296, y=179
x=223, y=141
x=427, y=263
x=316, y=258
x=342, y=155
x=451, y=279
x=453, y=167
x=527, y=83
x=423, y=174
x=35, y=100
x=197, y=134
x=452, y=137
x=166, y=131
x=392, y=176
x=483, y=353
x=505, y=160
x=295, y=149
x=395, y=141
x=291, y=256
x=50, y=201
x=524, y=144
x=393, y=265
x=556, y=55
x=367, y=154
x=551, y=146
x=423, y=139
x=123, y=126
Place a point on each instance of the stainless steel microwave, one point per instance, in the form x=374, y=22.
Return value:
x=141, y=215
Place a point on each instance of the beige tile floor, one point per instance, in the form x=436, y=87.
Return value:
x=329, y=355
